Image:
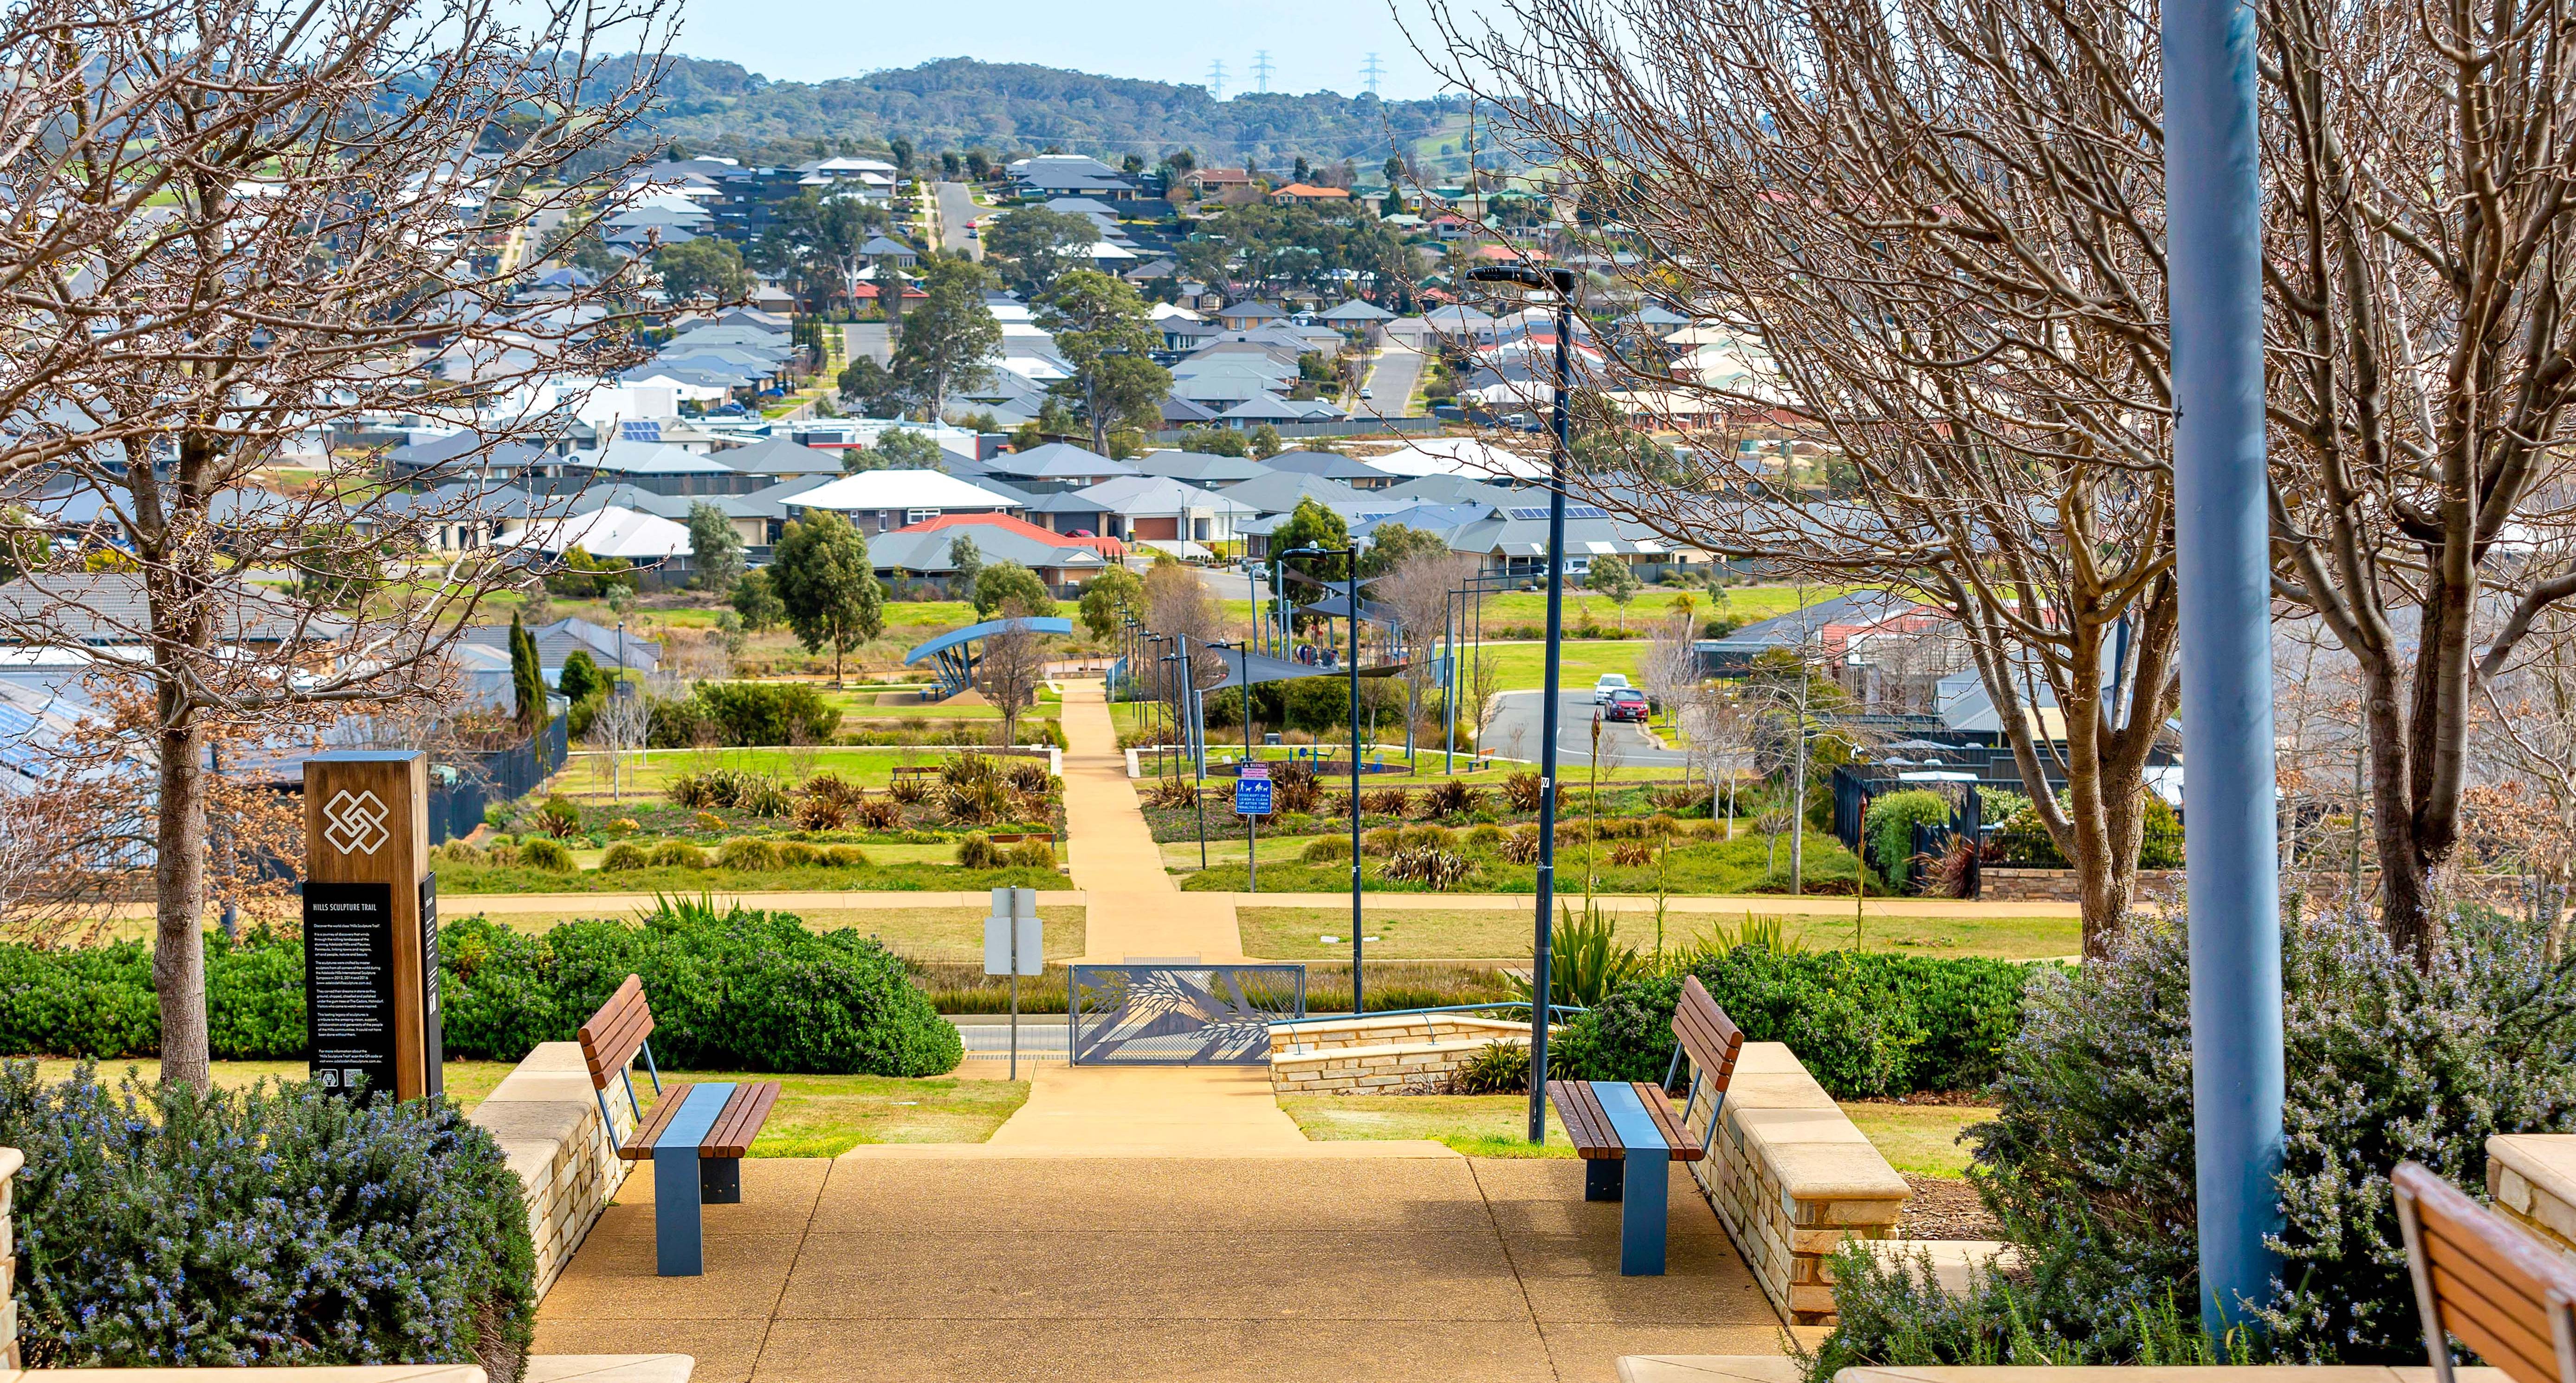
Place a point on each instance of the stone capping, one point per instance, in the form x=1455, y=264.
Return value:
x=2531, y=1178
x=1305, y=1037
x=546, y=1118
x=1791, y=1178
x=1379, y=1055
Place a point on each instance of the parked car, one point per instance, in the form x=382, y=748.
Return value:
x=1610, y=682
x=1627, y=704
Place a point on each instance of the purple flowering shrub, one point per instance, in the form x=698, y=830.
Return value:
x=2089, y=1163
x=271, y=1226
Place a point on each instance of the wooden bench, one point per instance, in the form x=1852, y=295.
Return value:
x=1022, y=837
x=2480, y=1280
x=695, y=1138
x=1628, y=1133
x=916, y=771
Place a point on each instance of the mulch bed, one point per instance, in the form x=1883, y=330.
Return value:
x=1946, y=1208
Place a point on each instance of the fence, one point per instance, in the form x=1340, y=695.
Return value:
x=461, y=788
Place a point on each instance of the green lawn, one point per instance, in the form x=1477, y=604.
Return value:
x=647, y=772
x=1913, y=1138
x=816, y=1116
x=1504, y=933
x=1918, y=1138
x=1523, y=666
x=1731, y=867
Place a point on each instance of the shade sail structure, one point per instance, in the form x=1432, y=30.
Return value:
x=1339, y=607
x=952, y=655
x=1261, y=668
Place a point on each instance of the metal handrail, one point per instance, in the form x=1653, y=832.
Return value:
x=1553, y=1009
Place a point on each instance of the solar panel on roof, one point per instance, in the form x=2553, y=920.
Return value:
x=646, y=430
x=1572, y=511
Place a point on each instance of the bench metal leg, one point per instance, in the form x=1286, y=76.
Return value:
x=1641, y=1219
x=1601, y=1178
x=720, y=1181
x=679, y=1237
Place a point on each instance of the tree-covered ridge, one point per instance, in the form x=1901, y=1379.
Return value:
x=959, y=103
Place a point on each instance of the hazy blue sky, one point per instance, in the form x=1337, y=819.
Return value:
x=1313, y=44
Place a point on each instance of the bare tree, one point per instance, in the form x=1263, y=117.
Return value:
x=1177, y=605
x=1012, y=667
x=1669, y=669
x=1417, y=593
x=2419, y=209
x=231, y=232
x=1933, y=230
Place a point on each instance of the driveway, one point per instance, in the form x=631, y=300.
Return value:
x=956, y=208
x=1513, y=729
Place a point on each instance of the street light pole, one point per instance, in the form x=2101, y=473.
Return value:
x=1542, y=949
x=2223, y=571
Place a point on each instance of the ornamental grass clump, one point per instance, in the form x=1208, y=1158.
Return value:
x=158, y=1228
x=2089, y=1163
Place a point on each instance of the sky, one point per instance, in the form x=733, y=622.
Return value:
x=1313, y=44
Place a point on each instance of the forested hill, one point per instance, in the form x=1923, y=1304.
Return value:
x=960, y=104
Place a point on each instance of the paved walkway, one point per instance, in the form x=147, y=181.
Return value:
x=1136, y=912
x=935, y=1266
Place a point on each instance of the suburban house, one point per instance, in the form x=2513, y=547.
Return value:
x=1210, y=182
x=1311, y=195
x=929, y=551
x=1145, y=508
x=1359, y=475
x=1071, y=175
x=883, y=501
x=561, y=639
x=1054, y=467
x=1250, y=313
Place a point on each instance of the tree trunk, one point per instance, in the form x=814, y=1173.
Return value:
x=179, y=896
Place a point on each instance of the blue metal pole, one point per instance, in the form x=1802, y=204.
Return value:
x=2222, y=537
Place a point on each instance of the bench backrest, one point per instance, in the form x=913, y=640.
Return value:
x=614, y=1034
x=2484, y=1282
x=1704, y=1031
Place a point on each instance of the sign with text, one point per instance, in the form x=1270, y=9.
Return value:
x=349, y=987
x=1252, y=791
x=371, y=925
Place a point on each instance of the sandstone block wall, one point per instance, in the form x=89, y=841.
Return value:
x=547, y=1121
x=1791, y=1179
x=1372, y=1056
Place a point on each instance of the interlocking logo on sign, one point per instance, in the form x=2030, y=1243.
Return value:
x=354, y=823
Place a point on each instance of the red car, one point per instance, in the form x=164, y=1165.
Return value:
x=1626, y=703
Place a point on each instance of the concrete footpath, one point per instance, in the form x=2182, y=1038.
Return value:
x=942, y=1266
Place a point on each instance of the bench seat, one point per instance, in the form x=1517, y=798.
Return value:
x=696, y=1136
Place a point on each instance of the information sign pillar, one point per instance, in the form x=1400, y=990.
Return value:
x=370, y=925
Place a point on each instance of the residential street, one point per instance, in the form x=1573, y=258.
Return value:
x=1391, y=380
x=1513, y=729
x=956, y=208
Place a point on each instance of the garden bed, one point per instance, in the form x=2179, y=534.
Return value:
x=1741, y=866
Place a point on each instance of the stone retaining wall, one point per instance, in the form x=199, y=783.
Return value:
x=1791, y=1178
x=546, y=1117
x=1376, y=1056
x=2531, y=1178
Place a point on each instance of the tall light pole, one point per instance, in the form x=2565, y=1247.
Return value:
x=1560, y=283
x=1350, y=594
x=2213, y=236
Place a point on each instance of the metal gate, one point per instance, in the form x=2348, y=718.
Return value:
x=1179, y=1015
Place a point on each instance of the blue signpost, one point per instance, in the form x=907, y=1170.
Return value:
x=1252, y=802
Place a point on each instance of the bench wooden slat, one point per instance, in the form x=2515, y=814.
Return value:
x=1668, y=1120
x=2484, y=1281
x=1585, y=1124
x=612, y=1036
x=740, y=1122
x=639, y=1145
x=1713, y=1040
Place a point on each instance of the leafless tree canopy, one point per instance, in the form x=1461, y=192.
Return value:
x=1934, y=230
x=227, y=230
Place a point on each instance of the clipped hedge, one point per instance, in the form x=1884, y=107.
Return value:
x=1863, y=1023
x=731, y=990
x=277, y=1226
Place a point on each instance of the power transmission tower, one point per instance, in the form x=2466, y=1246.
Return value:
x=1261, y=68
x=1370, y=71
x=1216, y=79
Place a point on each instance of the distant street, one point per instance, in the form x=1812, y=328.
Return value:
x=956, y=209
x=1513, y=730
x=1391, y=381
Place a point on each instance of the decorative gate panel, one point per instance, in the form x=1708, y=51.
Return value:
x=1179, y=1015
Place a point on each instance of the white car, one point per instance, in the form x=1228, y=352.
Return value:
x=1610, y=682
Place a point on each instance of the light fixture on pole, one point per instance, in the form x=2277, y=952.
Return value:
x=1558, y=283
